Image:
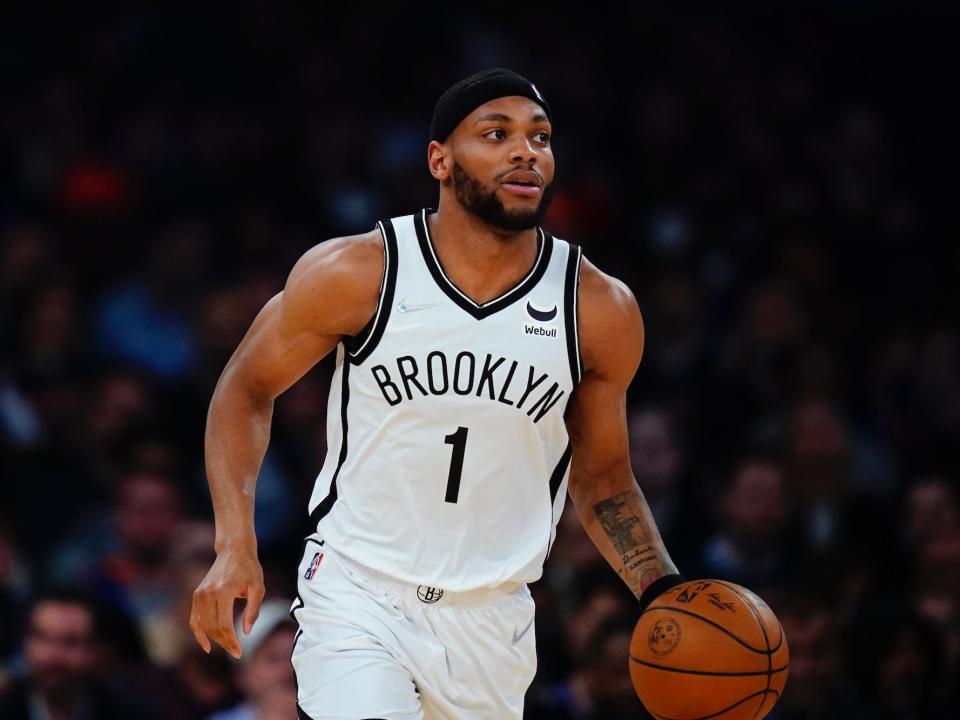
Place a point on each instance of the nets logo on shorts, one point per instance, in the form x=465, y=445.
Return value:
x=429, y=595
x=314, y=564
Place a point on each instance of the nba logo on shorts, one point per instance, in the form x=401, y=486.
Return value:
x=314, y=564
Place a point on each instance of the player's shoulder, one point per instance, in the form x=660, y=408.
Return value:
x=604, y=298
x=339, y=277
x=351, y=257
x=609, y=320
x=351, y=263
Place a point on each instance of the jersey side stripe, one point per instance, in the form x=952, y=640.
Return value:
x=570, y=300
x=556, y=480
x=556, y=477
x=576, y=313
x=385, y=302
x=324, y=507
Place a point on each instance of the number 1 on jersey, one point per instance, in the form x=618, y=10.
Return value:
x=459, y=442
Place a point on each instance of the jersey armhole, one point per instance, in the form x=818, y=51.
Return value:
x=571, y=292
x=358, y=347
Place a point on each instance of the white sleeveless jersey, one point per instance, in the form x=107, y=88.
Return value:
x=448, y=456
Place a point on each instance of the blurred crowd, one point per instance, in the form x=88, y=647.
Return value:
x=775, y=189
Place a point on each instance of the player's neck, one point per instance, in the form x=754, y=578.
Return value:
x=480, y=260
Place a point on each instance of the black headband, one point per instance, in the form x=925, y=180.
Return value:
x=470, y=93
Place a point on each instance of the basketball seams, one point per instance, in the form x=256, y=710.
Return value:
x=766, y=639
x=727, y=709
x=717, y=625
x=762, y=626
x=667, y=668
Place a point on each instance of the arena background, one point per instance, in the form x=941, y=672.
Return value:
x=779, y=188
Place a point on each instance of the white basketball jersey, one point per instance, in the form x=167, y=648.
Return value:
x=448, y=456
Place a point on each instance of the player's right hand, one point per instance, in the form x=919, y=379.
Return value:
x=236, y=573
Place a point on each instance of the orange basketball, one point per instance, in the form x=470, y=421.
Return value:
x=708, y=649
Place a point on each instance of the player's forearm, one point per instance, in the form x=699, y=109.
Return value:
x=618, y=520
x=237, y=434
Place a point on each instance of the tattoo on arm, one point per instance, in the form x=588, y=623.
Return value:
x=647, y=578
x=618, y=522
x=627, y=523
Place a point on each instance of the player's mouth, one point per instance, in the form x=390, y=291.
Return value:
x=525, y=183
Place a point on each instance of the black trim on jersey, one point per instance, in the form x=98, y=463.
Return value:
x=297, y=605
x=353, y=342
x=365, y=342
x=556, y=477
x=571, y=288
x=296, y=638
x=320, y=512
x=481, y=310
x=301, y=715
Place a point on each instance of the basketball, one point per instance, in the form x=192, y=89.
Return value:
x=708, y=649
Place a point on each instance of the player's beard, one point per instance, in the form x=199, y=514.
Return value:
x=485, y=204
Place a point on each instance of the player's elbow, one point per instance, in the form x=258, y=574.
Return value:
x=588, y=486
x=238, y=388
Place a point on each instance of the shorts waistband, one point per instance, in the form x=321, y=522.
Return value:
x=425, y=594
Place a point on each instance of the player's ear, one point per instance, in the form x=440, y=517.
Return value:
x=439, y=160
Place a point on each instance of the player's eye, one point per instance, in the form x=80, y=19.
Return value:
x=496, y=134
x=543, y=136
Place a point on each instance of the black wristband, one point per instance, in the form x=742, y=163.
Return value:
x=658, y=587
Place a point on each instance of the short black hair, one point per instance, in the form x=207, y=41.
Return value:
x=71, y=595
x=110, y=624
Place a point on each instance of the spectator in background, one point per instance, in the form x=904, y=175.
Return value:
x=147, y=517
x=147, y=321
x=129, y=561
x=750, y=547
x=757, y=367
x=64, y=658
x=658, y=457
x=593, y=598
x=573, y=557
x=14, y=587
x=120, y=399
x=265, y=676
x=897, y=662
x=48, y=329
x=25, y=260
x=675, y=318
x=82, y=425
x=601, y=688
x=935, y=531
x=224, y=316
x=819, y=469
x=932, y=510
x=817, y=684
x=601, y=598
x=169, y=636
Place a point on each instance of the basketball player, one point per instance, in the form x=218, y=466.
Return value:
x=482, y=366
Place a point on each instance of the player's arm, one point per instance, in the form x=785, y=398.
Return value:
x=608, y=501
x=332, y=291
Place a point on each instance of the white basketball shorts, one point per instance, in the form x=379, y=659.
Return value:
x=370, y=646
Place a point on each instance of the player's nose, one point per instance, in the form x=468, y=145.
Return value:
x=523, y=151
